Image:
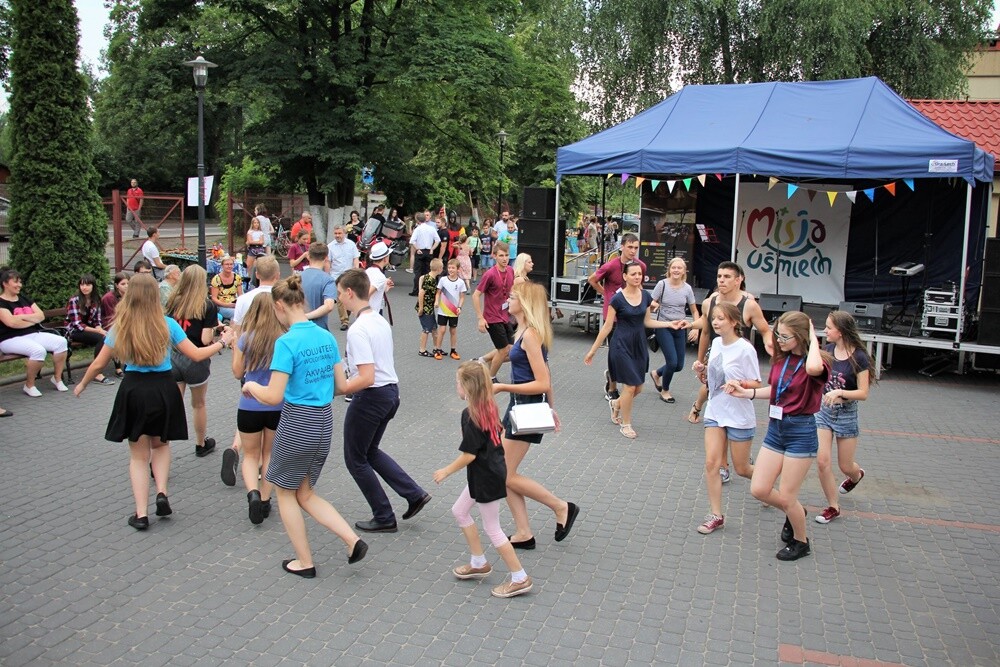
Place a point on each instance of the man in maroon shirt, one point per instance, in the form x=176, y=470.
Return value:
x=491, y=314
x=608, y=280
x=133, y=208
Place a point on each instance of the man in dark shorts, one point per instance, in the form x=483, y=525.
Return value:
x=490, y=301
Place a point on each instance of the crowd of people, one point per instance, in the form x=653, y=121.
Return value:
x=161, y=336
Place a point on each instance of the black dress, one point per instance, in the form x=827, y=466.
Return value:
x=628, y=353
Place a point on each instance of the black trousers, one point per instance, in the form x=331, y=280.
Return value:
x=88, y=338
x=421, y=267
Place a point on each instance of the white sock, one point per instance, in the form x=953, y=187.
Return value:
x=519, y=576
x=478, y=561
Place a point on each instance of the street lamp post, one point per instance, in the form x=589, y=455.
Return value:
x=200, y=68
x=502, y=138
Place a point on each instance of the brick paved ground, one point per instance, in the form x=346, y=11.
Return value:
x=907, y=576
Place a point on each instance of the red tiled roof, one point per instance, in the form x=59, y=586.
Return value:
x=978, y=121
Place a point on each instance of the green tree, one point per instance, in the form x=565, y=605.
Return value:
x=637, y=50
x=58, y=226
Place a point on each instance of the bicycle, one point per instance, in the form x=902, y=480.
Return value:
x=281, y=242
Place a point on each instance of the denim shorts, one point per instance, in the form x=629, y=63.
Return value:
x=733, y=434
x=841, y=419
x=794, y=436
x=427, y=323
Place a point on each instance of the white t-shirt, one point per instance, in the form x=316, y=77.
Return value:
x=267, y=228
x=424, y=236
x=500, y=226
x=451, y=291
x=369, y=341
x=150, y=252
x=736, y=361
x=378, y=280
x=243, y=302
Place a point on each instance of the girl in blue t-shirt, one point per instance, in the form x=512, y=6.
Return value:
x=256, y=421
x=849, y=380
x=148, y=410
x=304, y=365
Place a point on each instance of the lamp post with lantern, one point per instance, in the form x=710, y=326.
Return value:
x=502, y=138
x=200, y=68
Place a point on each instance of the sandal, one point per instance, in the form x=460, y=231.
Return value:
x=425, y=353
x=616, y=417
x=628, y=431
x=695, y=415
x=119, y=372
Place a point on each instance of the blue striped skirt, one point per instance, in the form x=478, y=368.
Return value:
x=301, y=445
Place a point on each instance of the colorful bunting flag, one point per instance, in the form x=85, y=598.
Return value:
x=771, y=182
x=832, y=195
x=891, y=187
x=687, y=184
x=670, y=186
x=852, y=195
x=909, y=183
x=719, y=176
x=811, y=194
x=624, y=178
x=701, y=179
x=608, y=176
x=870, y=193
x=791, y=190
x=655, y=183
x=639, y=180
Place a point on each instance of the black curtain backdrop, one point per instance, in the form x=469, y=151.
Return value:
x=925, y=226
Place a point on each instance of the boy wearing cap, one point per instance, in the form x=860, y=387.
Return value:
x=378, y=257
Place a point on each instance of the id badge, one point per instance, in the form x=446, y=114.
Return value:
x=775, y=412
x=505, y=305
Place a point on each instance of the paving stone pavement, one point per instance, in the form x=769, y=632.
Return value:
x=909, y=574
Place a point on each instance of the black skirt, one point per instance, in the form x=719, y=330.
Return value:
x=147, y=404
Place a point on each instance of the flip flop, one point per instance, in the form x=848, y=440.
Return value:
x=628, y=431
x=695, y=415
x=615, y=412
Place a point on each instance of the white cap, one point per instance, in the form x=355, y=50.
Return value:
x=378, y=251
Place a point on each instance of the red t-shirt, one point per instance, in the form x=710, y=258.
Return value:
x=298, y=227
x=294, y=252
x=610, y=277
x=132, y=198
x=804, y=393
x=495, y=288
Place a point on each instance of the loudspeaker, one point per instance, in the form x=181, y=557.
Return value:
x=779, y=303
x=989, y=327
x=535, y=232
x=867, y=315
x=542, y=258
x=992, y=257
x=990, y=299
x=539, y=203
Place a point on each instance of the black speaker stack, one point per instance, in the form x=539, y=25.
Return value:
x=989, y=314
x=536, y=234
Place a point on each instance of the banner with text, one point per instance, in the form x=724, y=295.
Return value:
x=794, y=245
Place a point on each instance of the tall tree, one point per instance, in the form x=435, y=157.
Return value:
x=58, y=226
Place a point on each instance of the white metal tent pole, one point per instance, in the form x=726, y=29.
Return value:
x=965, y=259
x=556, y=269
x=736, y=210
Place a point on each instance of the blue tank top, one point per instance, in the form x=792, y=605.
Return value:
x=520, y=367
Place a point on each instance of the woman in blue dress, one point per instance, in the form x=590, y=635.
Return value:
x=628, y=352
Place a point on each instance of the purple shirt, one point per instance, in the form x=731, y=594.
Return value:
x=495, y=288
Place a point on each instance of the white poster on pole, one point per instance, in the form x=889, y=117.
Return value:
x=794, y=245
x=192, y=190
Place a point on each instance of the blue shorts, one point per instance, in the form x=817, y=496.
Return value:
x=427, y=323
x=733, y=434
x=794, y=436
x=841, y=419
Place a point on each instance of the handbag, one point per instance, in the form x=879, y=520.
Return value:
x=531, y=418
x=654, y=345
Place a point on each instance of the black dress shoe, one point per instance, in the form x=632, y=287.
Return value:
x=416, y=506
x=787, y=532
x=527, y=544
x=307, y=573
x=358, y=552
x=374, y=526
x=230, y=461
x=163, y=505
x=562, y=532
x=139, y=523
x=794, y=550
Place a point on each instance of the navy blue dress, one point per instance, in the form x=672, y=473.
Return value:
x=628, y=353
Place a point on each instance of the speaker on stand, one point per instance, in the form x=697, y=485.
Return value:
x=989, y=313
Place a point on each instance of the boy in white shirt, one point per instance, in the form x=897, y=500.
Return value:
x=448, y=304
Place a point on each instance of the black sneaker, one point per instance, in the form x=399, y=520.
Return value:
x=348, y=398
x=163, y=505
x=265, y=508
x=139, y=523
x=794, y=550
x=230, y=461
x=205, y=449
x=256, y=509
x=787, y=532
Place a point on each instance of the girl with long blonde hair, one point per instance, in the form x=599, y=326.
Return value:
x=530, y=383
x=256, y=421
x=190, y=306
x=148, y=410
x=482, y=456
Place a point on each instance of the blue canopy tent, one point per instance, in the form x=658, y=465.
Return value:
x=853, y=129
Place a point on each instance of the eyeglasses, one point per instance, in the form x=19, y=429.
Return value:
x=783, y=338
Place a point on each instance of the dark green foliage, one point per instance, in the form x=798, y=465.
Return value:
x=59, y=229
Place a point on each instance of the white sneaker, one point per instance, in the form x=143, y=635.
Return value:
x=724, y=474
x=58, y=384
x=31, y=391
x=409, y=270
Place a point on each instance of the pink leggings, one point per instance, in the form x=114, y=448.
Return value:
x=490, y=512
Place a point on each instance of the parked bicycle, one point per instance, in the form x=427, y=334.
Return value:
x=282, y=241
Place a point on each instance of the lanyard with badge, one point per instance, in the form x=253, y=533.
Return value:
x=505, y=287
x=775, y=411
